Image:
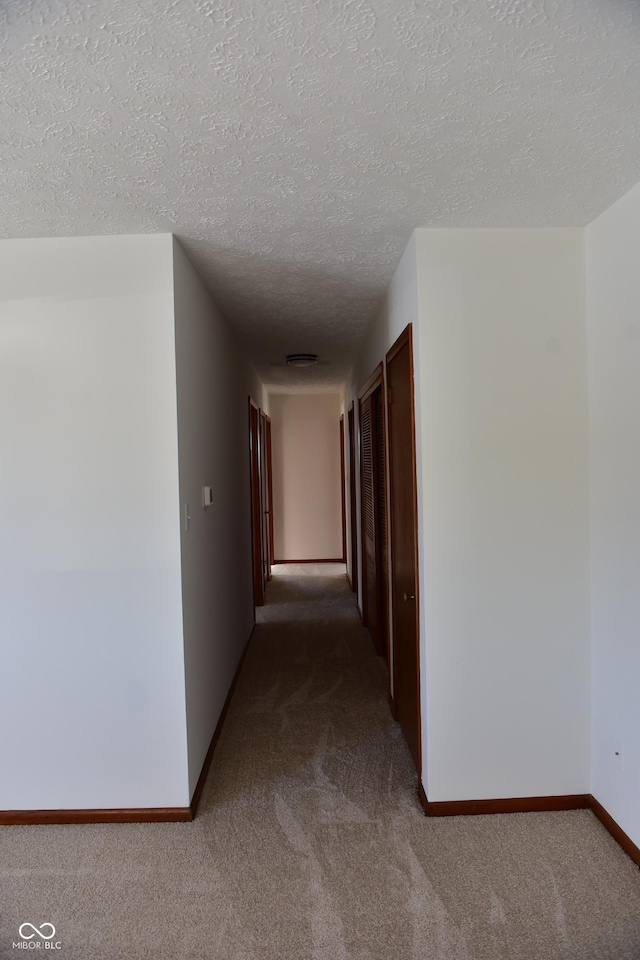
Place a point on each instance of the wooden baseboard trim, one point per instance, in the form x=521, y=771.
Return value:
x=473, y=808
x=135, y=814
x=197, y=793
x=578, y=801
x=616, y=831
x=321, y=560
x=132, y=815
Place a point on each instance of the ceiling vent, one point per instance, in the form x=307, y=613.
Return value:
x=282, y=363
x=302, y=359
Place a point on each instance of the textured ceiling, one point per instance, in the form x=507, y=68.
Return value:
x=293, y=145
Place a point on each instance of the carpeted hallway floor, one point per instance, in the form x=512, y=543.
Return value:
x=310, y=842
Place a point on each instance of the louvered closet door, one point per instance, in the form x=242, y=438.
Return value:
x=367, y=473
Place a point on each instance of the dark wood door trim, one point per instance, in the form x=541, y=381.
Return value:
x=374, y=381
x=382, y=528
x=351, y=427
x=270, y=487
x=405, y=340
x=342, y=492
x=367, y=509
x=374, y=514
x=364, y=394
x=265, y=540
x=256, y=519
x=405, y=337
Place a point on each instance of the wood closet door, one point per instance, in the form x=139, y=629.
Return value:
x=368, y=503
x=256, y=508
x=352, y=499
x=404, y=541
x=380, y=509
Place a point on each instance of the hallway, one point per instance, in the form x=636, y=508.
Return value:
x=310, y=752
x=310, y=842
x=314, y=782
x=304, y=283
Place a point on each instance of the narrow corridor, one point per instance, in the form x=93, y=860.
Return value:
x=308, y=777
x=315, y=827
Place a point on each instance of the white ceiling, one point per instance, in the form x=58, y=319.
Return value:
x=293, y=145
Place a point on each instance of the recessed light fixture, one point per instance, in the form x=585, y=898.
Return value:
x=302, y=359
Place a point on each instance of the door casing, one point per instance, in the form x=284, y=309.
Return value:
x=403, y=500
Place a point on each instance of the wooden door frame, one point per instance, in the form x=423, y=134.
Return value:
x=405, y=338
x=342, y=493
x=270, y=488
x=256, y=519
x=353, y=520
x=375, y=380
x=264, y=496
x=363, y=566
x=383, y=548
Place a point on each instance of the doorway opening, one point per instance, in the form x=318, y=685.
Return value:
x=373, y=499
x=297, y=483
x=261, y=499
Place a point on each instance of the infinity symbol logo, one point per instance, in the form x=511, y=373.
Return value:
x=30, y=936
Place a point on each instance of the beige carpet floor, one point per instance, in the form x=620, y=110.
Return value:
x=310, y=842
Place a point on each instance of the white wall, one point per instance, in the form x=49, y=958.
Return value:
x=214, y=382
x=92, y=707
x=613, y=298
x=504, y=567
x=307, y=506
x=399, y=307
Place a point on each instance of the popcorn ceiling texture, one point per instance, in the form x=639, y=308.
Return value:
x=293, y=145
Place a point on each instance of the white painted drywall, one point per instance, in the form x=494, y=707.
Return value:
x=92, y=707
x=214, y=382
x=504, y=493
x=613, y=305
x=307, y=507
x=399, y=308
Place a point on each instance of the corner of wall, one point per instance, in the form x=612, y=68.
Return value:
x=214, y=380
